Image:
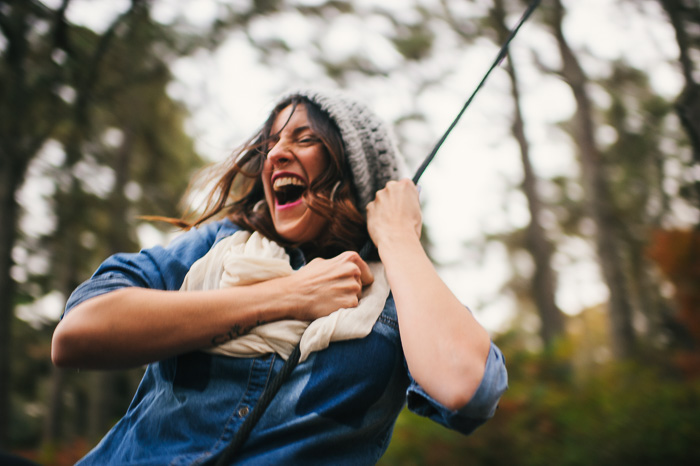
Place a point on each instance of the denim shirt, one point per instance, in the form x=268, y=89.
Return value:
x=338, y=407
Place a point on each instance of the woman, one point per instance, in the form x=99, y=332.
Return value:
x=318, y=179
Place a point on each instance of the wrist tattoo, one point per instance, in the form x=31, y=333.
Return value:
x=235, y=332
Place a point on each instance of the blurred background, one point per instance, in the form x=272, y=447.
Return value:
x=564, y=209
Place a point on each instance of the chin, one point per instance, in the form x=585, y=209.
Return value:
x=300, y=237
x=303, y=231
x=297, y=225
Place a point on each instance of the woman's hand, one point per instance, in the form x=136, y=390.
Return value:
x=326, y=285
x=394, y=213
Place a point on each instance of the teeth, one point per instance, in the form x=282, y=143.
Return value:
x=287, y=181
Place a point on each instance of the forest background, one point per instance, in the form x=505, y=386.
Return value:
x=564, y=209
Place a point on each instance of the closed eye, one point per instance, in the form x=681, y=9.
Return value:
x=309, y=140
x=304, y=135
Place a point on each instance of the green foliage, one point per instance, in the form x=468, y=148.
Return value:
x=627, y=413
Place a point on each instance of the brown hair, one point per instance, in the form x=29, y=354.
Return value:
x=238, y=190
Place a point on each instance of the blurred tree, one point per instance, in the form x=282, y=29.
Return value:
x=599, y=201
x=101, y=99
x=539, y=246
x=134, y=133
x=541, y=285
x=684, y=16
x=641, y=126
x=30, y=80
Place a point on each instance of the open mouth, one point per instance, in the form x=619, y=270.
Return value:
x=288, y=189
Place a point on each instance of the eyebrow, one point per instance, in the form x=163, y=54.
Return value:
x=296, y=131
x=301, y=129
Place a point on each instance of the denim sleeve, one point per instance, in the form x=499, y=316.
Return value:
x=480, y=408
x=161, y=268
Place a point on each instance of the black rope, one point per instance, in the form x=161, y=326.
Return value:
x=501, y=55
x=368, y=249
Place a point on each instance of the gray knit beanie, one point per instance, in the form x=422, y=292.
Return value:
x=370, y=148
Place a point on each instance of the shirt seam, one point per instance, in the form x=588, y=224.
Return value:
x=393, y=323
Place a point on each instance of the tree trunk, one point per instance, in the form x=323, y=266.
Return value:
x=599, y=201
x=9, y=181
x=688, y=102
x=544, y=279
x=14, y=159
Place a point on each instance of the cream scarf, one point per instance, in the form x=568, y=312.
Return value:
x=245, y=259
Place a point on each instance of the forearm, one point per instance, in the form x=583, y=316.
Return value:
x=445, y=347
x=134, y=326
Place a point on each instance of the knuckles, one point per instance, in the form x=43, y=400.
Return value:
x=350, y=302
x=351, y=256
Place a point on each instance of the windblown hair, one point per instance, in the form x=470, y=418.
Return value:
x=238, y=189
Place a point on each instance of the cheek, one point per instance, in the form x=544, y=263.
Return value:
x=319, y=164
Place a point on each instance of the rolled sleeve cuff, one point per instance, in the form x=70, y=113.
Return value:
x=480, y=408
x=97, y=286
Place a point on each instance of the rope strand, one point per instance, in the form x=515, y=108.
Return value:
x=501, y=55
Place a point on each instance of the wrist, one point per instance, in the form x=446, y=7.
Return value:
x=388, y=238
x=269, y=301
x=390, y=246
x=286, y=302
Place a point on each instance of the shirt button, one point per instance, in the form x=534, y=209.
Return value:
x=243, y=412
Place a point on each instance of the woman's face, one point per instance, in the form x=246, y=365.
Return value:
x=295, y=158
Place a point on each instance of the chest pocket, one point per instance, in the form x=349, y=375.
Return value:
x=349, y=377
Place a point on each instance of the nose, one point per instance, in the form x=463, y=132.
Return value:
x=279, y=154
